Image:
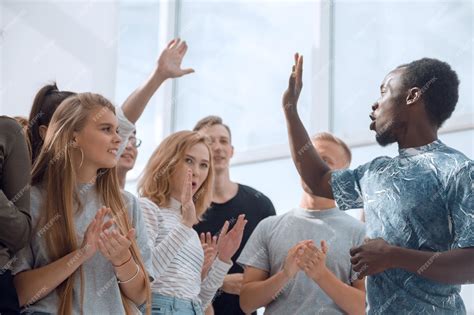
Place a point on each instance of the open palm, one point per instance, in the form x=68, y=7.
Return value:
x=229, y=241
x=169, y=63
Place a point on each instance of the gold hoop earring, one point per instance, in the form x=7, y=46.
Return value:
x=82, y=158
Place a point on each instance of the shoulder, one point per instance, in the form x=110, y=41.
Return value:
x=250, y=193
x=9, y=124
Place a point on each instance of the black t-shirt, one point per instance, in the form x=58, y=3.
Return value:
x=256, y=207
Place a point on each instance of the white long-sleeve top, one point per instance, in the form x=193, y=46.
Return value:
x=178, y=257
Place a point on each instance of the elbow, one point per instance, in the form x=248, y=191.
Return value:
x=21, y=238
x=22, y=296
x=244, y=302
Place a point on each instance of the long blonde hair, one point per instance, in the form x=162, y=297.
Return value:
x=54, y=171
x=155, y=181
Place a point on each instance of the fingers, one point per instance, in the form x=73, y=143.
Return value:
x=224, y=229
x=107, y=225
x=182, y=48
x=186, y=193
x=202, y=238
x=187, y=71
x=354, y=250
x=170, y=44
x=299, y=68
x=324, y=247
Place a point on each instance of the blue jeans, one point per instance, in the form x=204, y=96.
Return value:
x=167, y=305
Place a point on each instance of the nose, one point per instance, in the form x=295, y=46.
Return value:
x=117, y=139
x=129, y=146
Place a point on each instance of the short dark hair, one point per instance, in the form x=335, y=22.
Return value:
x=210, y=121
x=439, y=85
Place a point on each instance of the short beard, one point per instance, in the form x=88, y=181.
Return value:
x=387, y=136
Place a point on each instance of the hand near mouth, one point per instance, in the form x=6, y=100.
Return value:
x=188, y=210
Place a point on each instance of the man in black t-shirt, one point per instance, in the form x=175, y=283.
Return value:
x=229, y=200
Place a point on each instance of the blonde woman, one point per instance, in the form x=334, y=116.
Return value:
x=83, y=258
x=176, y=188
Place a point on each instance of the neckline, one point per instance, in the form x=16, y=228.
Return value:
x=406, y=152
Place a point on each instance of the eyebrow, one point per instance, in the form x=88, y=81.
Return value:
x=192, y=157
x=108, y=125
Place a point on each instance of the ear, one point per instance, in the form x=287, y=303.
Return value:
x=42, y=131
x=414, y=95
x=231, y=151
x=74, y=141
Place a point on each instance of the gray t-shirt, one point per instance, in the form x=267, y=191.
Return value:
x=101, y=290
x=270, y=242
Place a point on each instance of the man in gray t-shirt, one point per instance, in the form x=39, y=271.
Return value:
x=287, y=273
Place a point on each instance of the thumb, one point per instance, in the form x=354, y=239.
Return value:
x=187, y=71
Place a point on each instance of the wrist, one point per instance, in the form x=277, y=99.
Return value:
x=224, y=258
x=159, y=76
x=392, y=257
x=322, y=276
x=123, y=261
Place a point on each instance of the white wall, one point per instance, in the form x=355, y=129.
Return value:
x=73, y=43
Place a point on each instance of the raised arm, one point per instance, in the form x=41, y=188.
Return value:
x=167, y=67
x=312, y=169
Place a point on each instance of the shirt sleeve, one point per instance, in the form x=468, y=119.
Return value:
x=255, y=253
x=141, y=234
x=165, y=246
x=213, y=281
x=126, y=129
x=460, y=200
x=346, y=187
x=15, y=219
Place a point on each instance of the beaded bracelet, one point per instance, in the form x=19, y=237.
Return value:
x=133, y=277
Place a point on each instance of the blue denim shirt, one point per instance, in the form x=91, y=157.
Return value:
x=422, y=199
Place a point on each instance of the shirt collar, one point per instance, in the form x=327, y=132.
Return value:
x=420, y=150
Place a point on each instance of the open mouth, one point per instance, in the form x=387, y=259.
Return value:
x=113, y=151
x=372, y=124
x=194, y=184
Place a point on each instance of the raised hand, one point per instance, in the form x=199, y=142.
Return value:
x=188, y=210
x=169, y=63
x=116, y=247
x=295, y=84
x=290, y=267
x=312, y=260
x=229, y=242
x=209, y=245
x=90, y=242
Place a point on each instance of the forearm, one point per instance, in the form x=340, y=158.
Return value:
x=310, y=166
x=15, y=228
x=351, y=300
x=213, y=281
x=33, y=285
x=260, y=293
x=135, y=104
x=450, y=267
x=132, y=283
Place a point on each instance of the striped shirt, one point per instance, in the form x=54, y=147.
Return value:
x=178, y=257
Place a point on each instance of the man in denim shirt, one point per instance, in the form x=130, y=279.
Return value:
x=419, y=205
